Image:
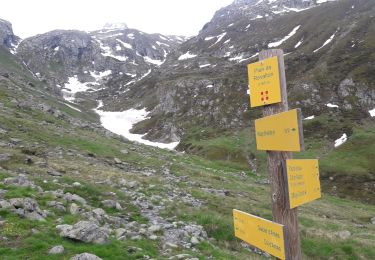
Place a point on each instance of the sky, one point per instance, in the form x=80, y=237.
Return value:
x=178, y=17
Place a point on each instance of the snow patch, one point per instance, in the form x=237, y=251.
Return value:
x=125, y=44
x=309, y=117
x=130, y=36
x=331, y=105
x=152, y=61
x=210, y=86
x=219, y=38
x=161, y=43
x=204, y=65
x=278, y=43
x=372, y=112
x=107, y=52
x=298, y=44
x=122, y=122
x=326, y=42
x=341, y=140
x=186, y=56
x=77, y=109
x=99, y=75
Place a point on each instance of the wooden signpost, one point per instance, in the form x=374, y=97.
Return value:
x=293, y=182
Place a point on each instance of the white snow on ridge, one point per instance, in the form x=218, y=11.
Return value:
x=100, y=75
x=125, y=44
x=152, y=61
x=298, y=44
x=219, y=38
x=204, y=65
x=186, y=56
x=326, y=42
x=122, y=122
x=131, y=36
x=324, y=1
x=107, y=52
x=209, y=38
x=72, y=87
x=278, y=43
x=238, y=57
x=341, y=140
x=76, y=109
x=372, y=112
x=162, y=43
x=331, y=105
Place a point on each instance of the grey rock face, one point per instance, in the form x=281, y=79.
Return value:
x=7, y=37
x=85, y=256
x=85, y=231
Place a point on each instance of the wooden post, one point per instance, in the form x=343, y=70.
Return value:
x=280, y=212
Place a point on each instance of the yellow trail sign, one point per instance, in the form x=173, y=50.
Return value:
x=280, y=132
x=259, y=232
x=264, y=82
x=303, y=181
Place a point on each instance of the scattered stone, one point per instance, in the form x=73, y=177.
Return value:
x=263, y=181
x=117, y=161
x=111, y=204
x=85, y=256
x=373, y=220
x=180, y=256
x=120, y=232
x=74, y=197
x=124, y=151
x=153, y=237
x=194, y=241
x=20, y=180
x=4, y=157
x=15, y=140
x=343, y=234
x=77, y=184
x=137, y=237
x=154, y=228
x=54, y=173
x=85, y=231
x=57, y=205
x=74, y=209
x=131, y=184
x=56, y=250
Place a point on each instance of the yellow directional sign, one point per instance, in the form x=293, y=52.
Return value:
x=259, y=232
x=264, y=82
x=303, y=181
x=280, y=132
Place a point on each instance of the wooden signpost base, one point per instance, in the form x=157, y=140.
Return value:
x=280, y=212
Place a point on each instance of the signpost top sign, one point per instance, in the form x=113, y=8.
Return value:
x=259, y=232
x=264, y=82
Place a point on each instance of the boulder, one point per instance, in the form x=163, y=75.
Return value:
x=56, y=250
x=85, y=256
x=85, y=231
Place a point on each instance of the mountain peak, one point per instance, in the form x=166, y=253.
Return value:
x=115, y=26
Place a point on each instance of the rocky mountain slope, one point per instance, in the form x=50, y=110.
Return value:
x=69, y=189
